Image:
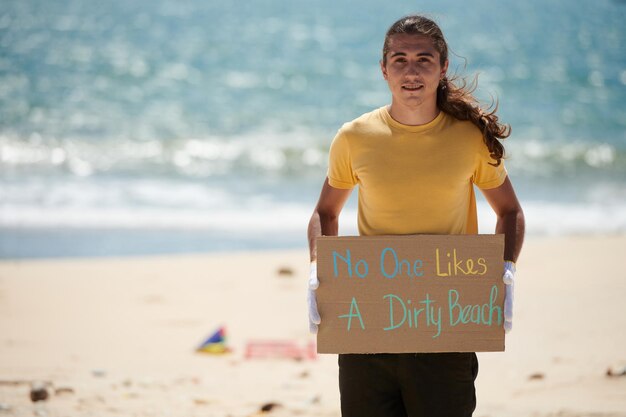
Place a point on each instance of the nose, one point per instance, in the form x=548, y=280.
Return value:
x=412, y=69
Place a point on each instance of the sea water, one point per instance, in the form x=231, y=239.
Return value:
x=138, y=127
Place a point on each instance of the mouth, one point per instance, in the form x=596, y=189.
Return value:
x=412, y=87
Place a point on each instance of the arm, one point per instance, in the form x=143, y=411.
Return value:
x=324, y=221
x=504, y=203
x=325, y=218
x=510, y=222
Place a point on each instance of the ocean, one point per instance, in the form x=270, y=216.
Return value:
x=149, y=127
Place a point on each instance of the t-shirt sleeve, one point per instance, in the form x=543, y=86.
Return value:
x=487, y=176
x=340, y=172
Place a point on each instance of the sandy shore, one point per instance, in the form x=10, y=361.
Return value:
x=116, y=337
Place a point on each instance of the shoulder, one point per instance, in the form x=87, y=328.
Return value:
x=465, y=130
x=468, y=136
x=368, y=128
x=364, y=124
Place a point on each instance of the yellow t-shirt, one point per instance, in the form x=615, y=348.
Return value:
x=413, y=179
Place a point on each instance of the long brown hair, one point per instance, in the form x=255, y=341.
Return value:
x=455, y=94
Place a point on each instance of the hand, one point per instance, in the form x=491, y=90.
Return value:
x=509, y=285
x=314, y=315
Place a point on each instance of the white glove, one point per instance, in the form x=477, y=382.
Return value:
x=314, y=315
x=509, y=285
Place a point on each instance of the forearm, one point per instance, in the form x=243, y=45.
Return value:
x=512, y=226
x=320, y=225
x=325, y=218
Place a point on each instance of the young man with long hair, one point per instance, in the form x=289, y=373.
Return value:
x=416, y=162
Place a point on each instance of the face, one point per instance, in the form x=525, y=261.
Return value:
x=413, y=70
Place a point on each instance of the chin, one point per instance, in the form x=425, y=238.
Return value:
x=413, y=102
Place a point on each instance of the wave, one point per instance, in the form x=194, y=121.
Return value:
x=548, y=218
x=292, y=153
x=195, y=158
x=136, y=217
x=198, y=207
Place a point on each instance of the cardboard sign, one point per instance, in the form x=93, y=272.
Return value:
x=418, y=293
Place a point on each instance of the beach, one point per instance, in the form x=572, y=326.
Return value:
x=117, y=336
x=159, y=163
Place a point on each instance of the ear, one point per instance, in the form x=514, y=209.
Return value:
x=444, y=69
x=383, y=69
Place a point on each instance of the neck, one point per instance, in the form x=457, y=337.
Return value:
x=413, y=116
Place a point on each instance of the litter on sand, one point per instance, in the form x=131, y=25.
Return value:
x=281, y=349
x=215, y=344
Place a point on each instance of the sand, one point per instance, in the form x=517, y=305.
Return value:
x=117, y=337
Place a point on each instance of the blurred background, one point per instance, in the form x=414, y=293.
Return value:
x=161, y=126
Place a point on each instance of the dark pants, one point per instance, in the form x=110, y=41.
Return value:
x=408, y=384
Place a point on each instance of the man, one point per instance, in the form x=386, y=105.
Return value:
x=416, y=162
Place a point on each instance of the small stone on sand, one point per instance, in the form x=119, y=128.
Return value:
x=285, y=271
x=63, y=390
x=616, y=371
x=201, y=401
x=267, y=407
x=38, y=392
